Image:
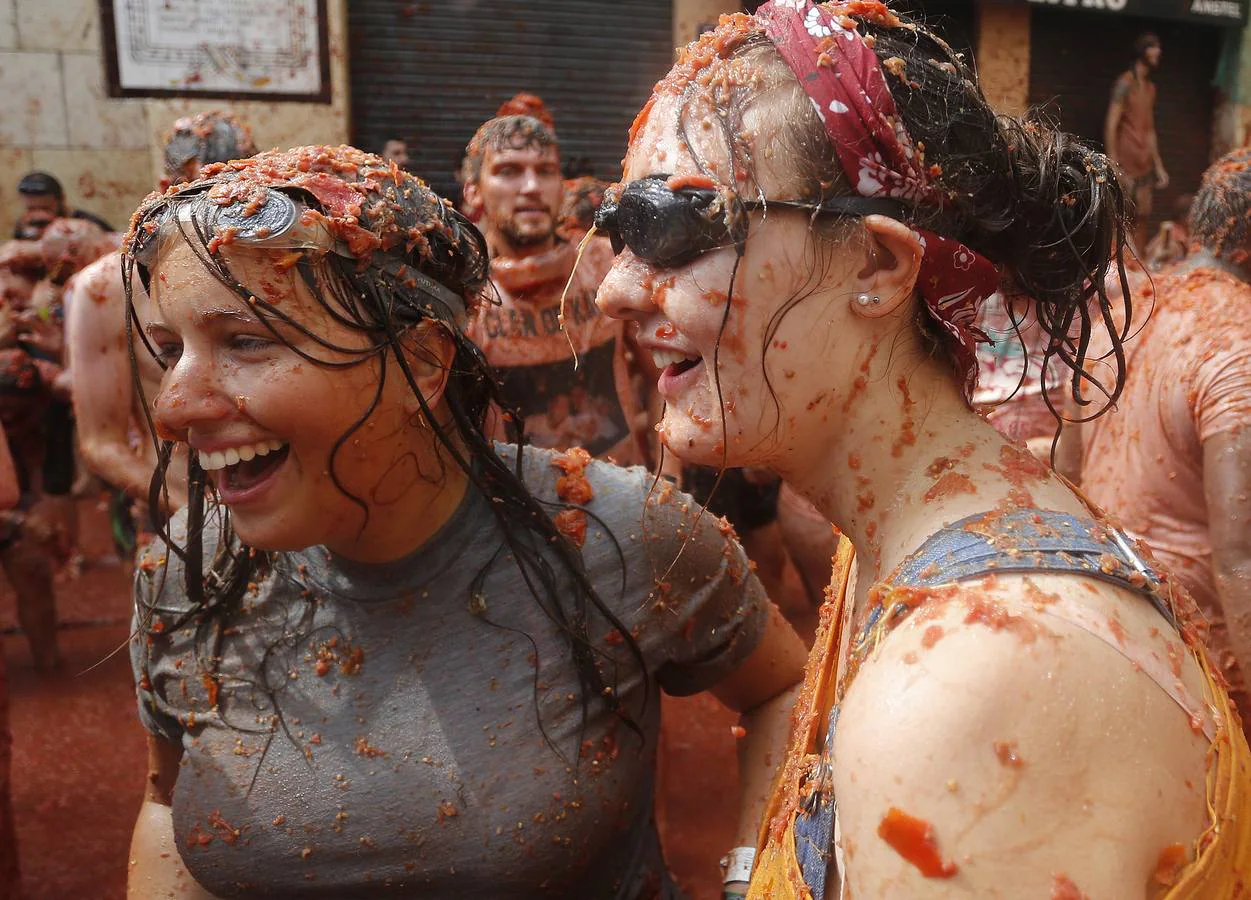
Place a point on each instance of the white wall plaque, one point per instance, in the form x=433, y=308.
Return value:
x=262, y=49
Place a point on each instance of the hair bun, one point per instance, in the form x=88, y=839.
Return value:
x=1044, y=206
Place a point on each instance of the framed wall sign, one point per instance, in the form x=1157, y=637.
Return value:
x=231, y=49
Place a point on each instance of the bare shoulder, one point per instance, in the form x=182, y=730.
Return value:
x=98, y=291
x=1005, y=743
x=95, y=328
x=104, y=274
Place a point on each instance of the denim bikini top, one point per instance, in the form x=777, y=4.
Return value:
x=1019, y=542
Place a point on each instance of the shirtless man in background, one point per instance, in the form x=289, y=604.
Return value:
x=1130, y=137
x=105, y=401
x=68, y=246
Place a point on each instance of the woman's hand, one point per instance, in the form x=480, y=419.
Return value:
x=763, y=689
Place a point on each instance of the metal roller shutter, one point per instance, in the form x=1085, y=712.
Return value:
x=434, y=71
x=1076, y=56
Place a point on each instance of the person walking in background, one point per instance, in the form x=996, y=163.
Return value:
x=1129, y=134
x=67, y=247
x=28, y=530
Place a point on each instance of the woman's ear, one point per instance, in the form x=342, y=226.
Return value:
x=429, y=350
x=889, y=274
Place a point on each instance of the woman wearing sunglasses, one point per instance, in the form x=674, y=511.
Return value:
x=816, y=202
x=379, y=655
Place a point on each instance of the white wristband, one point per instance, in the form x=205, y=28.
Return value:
x=737, y=864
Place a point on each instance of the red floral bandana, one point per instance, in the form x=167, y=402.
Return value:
x=843, y=78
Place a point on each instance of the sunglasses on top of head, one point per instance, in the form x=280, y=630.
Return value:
x=669, y=227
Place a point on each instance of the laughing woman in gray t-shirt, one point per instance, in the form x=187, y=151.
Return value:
x=379, y=656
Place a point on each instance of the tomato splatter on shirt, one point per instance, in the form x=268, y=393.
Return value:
x=1188, y=380
x=524, y=338
x=573, y=486
x=572, y=524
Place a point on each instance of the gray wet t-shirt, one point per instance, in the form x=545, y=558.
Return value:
x=378, y=730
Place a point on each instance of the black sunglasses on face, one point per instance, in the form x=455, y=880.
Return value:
x=669, y=228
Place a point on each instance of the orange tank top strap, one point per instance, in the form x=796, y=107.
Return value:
x=1217, y=866
x=804, y=778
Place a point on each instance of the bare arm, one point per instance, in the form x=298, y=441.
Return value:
x=156, y=868
x=978, y=762
x=103, y=394
x=1161, y=174
x=1227, y=487
x=1116, y=109
x=763, y=689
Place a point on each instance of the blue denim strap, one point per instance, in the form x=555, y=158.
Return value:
x=814, y=823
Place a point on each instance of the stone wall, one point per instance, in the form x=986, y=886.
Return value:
x=688, y=15
x=1003, y=55
x=55, y=114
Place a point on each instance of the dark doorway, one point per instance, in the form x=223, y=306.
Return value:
x=1075, y=57
x=432, y=72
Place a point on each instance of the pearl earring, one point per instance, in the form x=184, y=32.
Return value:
x=866, y=300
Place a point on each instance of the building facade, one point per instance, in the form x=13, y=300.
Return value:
x=431, y=72
x=1062, y=56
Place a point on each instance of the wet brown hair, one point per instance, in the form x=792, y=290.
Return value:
x=1143, y=43
x=505, y=133
x=1220, y=216
x=583, y=196
x=531, y=105
x=209, y=137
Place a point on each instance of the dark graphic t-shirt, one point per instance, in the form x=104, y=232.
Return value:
x=560, y=404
